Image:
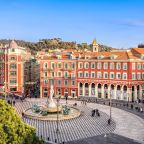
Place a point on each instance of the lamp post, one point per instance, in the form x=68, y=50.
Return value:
x=110, y=105
x=57, y=129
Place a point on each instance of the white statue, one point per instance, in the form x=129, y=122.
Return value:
x=51, y=103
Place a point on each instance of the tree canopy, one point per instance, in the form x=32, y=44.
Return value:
x=13, y=130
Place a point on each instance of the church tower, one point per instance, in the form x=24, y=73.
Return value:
x=95, y=46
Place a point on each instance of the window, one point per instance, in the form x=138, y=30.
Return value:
x=118, y=66
x=13, y=81
x=65, y=74
x=124, y=76
x=86, y=74
x=66, y=65
x=52, y=74
x=46, y=81
x=124, y=66
x=99, y=75
x=92, y=65
x=51, y=82
x=45, y=74
x=72, y=75
x=59, y=82
x=45, y=65
x=92, y=74
x=143, y=66
x=59, y=65
x=73, y=83
x=80, y=74
x=105, y=65
x=133, y=76
x=52, y=65
x=133, y=66
x=80, y=65
x=111, y=75
x=66, y=82
x=59, y=74
x=86, y=65
x=105, y=75
x=12, y=50
x=138, y=66
x=13, y=66
x=13, y=73
x=73, y=65
x=13, y=58
x=118, y=76
x=138, y=76
x=143, y=76
x=99, y=65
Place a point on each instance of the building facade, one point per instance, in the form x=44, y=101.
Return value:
x=13, y=57
x=115, y=74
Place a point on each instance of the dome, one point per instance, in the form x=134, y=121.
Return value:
x=13, y=44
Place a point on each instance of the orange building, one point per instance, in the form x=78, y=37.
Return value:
x=12, y=76
x=119, y=73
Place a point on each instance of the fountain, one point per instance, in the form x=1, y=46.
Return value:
x=50, y=109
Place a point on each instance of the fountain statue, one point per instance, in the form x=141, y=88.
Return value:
x=51, y=103
x=51, y=106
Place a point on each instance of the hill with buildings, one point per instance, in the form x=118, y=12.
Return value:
x=56, y=43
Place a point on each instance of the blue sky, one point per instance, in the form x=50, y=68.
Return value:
x=117, y=23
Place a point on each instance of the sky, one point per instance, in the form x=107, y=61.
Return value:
x=116, y=23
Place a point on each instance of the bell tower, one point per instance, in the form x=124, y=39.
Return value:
x=95, y=46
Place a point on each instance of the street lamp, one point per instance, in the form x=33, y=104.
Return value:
x=109, y=121
x=57, y=129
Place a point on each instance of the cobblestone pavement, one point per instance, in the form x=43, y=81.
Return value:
x=79, y=128
x=127, y=124
x=110, y=138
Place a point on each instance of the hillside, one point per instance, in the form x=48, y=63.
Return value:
x=45, y=44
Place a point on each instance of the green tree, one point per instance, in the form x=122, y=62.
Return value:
x=13, y=130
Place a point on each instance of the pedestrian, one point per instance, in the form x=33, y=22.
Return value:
x=13, y=103
x=98, y=114
x=22, y=114
x=109, y=121
x=93, y=113
x=131, y=106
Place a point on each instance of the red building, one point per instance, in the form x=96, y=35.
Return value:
x=12, y=59
x=119, y=74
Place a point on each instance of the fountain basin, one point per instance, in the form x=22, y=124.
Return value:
x=52, y=114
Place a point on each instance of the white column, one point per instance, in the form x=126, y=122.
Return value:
x=78, y=89
x=129, y=92
x=83, y=90
x=96, y=90
x=115, y=92
x=140, y=92
x=121, y=94
x=89, y=89
x=102, y=91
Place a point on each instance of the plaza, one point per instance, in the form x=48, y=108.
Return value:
x=85, y=126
